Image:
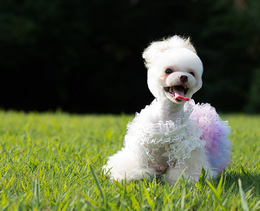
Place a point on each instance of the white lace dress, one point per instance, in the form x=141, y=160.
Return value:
x=170, y=143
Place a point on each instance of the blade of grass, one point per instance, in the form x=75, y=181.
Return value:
x=102, y=194
x=183, y=199
x=36, y=194
x=216, y=195
x=242, y=196
x=150, y=201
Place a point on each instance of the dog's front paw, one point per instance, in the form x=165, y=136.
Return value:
x=173, y=174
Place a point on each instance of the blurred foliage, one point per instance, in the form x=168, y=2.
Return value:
x=85, y=56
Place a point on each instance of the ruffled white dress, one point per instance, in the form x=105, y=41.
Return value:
x=170, y=143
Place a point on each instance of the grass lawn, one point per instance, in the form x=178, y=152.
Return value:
x=54, y=162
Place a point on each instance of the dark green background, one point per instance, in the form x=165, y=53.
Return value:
x=85, y=56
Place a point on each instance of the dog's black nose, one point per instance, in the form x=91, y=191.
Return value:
x=184, y=78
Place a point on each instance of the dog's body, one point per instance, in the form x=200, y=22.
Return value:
x=171, y=134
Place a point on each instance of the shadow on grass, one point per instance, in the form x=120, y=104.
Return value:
x=249, y=180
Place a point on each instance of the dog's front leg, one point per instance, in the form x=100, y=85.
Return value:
x=126, y=165
x=192, y=167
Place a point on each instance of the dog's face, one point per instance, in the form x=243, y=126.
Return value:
x=174, y=73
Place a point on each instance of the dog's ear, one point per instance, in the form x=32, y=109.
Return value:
x=153, y=51
x=157, y=48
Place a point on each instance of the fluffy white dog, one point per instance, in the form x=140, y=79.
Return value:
x=173, y=133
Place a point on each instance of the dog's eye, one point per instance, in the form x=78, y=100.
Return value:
x=192, y=73
x=168, y=71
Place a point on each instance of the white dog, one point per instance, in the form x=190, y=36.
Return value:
x=173, y=133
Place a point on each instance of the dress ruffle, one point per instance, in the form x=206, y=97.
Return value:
x=215, y=133
x=170, y=143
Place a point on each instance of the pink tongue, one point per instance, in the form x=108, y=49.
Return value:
x=179, y=93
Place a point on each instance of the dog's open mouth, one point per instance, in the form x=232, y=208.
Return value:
x=177, y=92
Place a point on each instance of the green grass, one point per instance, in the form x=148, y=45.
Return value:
x=54, y=162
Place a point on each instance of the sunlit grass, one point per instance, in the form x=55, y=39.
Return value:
x=54, y=162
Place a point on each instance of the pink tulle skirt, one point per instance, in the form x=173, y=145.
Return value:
x=215, y=133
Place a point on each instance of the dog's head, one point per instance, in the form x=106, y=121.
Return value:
x=174, y=69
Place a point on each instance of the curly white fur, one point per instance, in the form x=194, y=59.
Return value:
x=174, y=70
